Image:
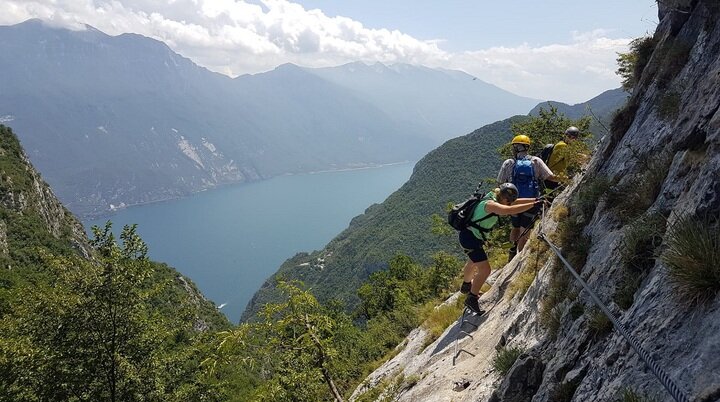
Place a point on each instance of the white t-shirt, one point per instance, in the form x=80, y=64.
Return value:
x=541, y=170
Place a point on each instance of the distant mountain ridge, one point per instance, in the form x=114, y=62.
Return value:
x=119, y=120
x=601, y=107
x=395, y=89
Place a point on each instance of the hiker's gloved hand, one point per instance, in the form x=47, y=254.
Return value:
x=540, y=201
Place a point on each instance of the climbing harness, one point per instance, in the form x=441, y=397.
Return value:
x=661, y=375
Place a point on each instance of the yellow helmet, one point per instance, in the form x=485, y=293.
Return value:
x=521, y=139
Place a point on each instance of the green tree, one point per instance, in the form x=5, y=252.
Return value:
x=89, y=334
x=442, y=271
x=390, y=290
x=293, y=346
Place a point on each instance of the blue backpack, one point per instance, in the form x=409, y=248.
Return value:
x=523, y=177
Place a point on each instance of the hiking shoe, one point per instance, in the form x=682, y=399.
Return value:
x=471, y=303
x=465, y=287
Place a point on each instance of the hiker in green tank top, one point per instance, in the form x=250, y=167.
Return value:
x=501, y=201
x=485, y=220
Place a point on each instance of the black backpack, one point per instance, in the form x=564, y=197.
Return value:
x=460, y=215
x=547, y=152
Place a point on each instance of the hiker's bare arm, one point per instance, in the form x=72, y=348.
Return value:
x=524, y=201
x=500, y=209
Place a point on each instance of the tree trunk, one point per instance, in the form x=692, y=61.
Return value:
x=323, y=360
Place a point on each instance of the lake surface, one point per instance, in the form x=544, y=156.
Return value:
x=229, y=240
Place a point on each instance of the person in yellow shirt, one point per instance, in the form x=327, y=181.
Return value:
x=557, y=157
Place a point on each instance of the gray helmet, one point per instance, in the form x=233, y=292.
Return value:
x=572, y=131
x=509, y=192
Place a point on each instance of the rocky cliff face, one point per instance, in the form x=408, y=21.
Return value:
x=23, y=192
x=658, y=164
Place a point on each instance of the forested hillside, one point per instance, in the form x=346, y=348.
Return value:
x=94, y=317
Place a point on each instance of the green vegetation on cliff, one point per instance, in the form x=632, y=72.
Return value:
x=88, y=320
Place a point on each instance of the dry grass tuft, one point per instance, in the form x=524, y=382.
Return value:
x=639, y=249
x=440, y=318
x=598, y=323
x=521, y=283
x=693, y=258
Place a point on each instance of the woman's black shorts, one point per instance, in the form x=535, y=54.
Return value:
x=472, y=246
x=525, y=219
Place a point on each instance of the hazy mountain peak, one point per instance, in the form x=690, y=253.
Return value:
x=288, y=66
x=32, y=22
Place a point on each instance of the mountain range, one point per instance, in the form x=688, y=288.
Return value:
x=119, y=120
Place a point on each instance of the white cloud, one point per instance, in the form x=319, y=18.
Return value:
x=236, y=37
x=571, y=72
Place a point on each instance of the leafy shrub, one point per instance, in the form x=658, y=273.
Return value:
x=693, y=258
x=442, y=271
x=548, y=128
x=632, y=63
x=505, y=358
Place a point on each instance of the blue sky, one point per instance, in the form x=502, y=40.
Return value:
x=471, y=25
x=556, y=50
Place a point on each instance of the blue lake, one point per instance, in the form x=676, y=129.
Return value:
x=229, y=240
